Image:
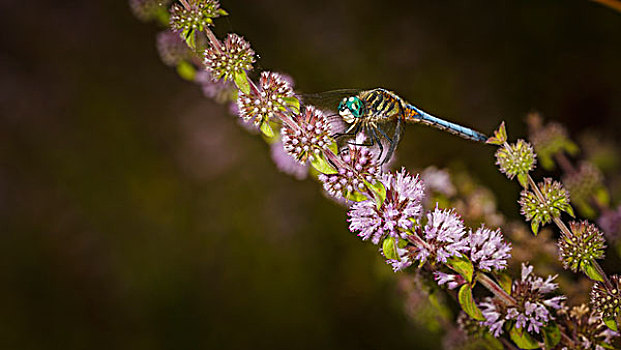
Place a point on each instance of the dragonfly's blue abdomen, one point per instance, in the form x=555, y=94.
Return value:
x=419, y=116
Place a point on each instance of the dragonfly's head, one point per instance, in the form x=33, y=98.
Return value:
x=351, y=108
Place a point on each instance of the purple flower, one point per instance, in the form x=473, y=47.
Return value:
x=439, y=181
x=532, y=309
x=362, y=166
x=452, y=281
x=488, y=250
x=610, y=222
x=492, y=311
x=219, y=91
x=286, y=163
x=267, y=103
x=310, y=136
x=172, y=48
x=234, y=57
x=445, y=235
x=147, y=10
x=395, y=216
x=403, y=262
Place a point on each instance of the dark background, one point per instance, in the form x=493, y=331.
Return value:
x=135, y=214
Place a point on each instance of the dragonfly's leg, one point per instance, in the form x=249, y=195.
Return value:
x=394, y=141
x=377, y=140
x=384, y=135
x=371, y=143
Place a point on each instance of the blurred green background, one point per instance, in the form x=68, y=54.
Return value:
x=135, y=214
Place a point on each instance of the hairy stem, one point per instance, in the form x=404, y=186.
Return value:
x=496, y=289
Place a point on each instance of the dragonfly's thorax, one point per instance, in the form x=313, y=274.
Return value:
x=381, y=105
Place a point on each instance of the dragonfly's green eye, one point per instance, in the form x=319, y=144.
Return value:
x=351, y=108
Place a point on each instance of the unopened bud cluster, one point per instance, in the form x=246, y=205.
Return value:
x=234, y=57
x=516, y=159
x=542, y=210
x=580, y=249
x=607, y=301
x=197, y=15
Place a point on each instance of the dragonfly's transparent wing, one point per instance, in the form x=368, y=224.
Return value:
x=328, y=102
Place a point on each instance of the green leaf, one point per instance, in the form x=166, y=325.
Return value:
x=241, y=81
x=379, y=190
x=500, y=136
x=293, y=103
x=602, y=196
x=334, y=148
x=266, y=129
x=190, y=39
x=551, y=335
x=320, y=163
x=186, y=70
x=571, y=147
x=546, y=162
x=522, y=339
x=523, y=179
x=569, y=210
x=389, y=247
x=505, y=282
x=462, y=265
x=534, y=225
x=591, y=272
x=467, y=303
x=493, y=343
x=610, y=323
x=356, y=196
x=222, y=12
x=163, y=16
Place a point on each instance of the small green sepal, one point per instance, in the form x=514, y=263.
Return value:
x=266, y=129
x=522, y=339
x=463, y=266
x=190, y=38
x=241, y=81
x=222, y=12
x=534, y=225
x=610, y=323
x=500, y=136
x=293, y=103
x=467, y=303
x=591, y=272
x=319, y=162
x=523, y=179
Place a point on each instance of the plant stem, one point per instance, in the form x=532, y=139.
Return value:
x=497, y=290
x=613, y=4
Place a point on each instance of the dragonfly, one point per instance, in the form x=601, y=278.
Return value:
x=379, y=114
